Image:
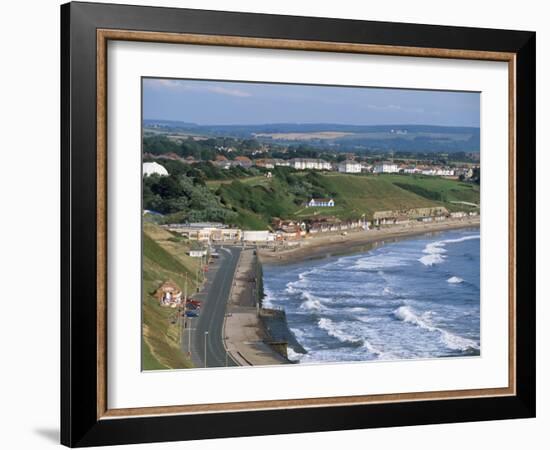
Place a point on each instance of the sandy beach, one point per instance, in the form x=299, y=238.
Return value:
x=335, y=243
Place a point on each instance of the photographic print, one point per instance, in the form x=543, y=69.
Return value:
x=305, y=224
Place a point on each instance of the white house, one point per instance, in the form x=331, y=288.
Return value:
x=309, y=163
x=411, y=170
x=438, y=171
x=150, y=168
x=349, y=166
x=386, y=167
x=320, y=202
x=445, y=172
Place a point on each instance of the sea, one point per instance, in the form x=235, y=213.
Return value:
x=411, y=298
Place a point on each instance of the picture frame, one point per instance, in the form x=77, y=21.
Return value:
x=86, y=418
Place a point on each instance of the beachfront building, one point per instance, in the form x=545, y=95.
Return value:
x=320, y=202
x=349, y=166
x=258, y=236
x=310, y=163
x=459, y=215
x=332, y=224
x=385, y=167
x=169, y=294
x=154, y=168
x=405, y=216
x=206, y=232
x=288, y=230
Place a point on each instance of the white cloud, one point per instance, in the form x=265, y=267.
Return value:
x=182, y=85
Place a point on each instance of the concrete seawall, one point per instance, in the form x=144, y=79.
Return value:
x=247, y=340
x=276, y=327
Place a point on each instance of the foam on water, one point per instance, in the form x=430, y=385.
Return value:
x=435, y=250
x=294, y=356
x=337, y=332
x=377, y=262
x=379, y=305
x=355, y=309
x=311, y=302
x=455, y=280
x=452, y=341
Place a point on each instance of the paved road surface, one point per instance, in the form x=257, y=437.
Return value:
x=212, y=312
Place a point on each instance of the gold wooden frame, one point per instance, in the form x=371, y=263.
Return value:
x=103, y=36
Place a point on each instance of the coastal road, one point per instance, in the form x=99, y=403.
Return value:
x=212, y=314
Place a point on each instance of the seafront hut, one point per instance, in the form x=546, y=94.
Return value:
x=169, y=294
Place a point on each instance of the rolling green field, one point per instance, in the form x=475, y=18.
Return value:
x=257, y=200
x=164, y=259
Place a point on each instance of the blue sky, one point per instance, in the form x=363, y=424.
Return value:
x=238, y=103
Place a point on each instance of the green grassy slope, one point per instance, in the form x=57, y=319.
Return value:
x=256, y=203
x=447, y=190
x=163, y=258
x=357, y=195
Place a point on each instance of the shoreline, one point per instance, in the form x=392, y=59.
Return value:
x=330, y=244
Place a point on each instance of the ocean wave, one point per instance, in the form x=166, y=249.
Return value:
x=455, y=342
x=455, y=280
x=290, y=289
x=378, y=262
x=311, y=302
x=336, y=331
x=435, y=251
x=294, y=356
x=387, y=291
x=375, y=351
x=373, y=320
x=406, y=314
x=301, y=282
x=450, y=340
x=298, y=334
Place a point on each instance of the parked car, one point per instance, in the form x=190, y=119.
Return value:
x=191, y=313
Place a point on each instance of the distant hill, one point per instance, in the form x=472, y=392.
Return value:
x=341, y=137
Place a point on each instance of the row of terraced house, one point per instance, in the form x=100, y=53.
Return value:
x=348, y=166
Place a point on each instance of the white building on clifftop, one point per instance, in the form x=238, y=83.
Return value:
x=349, y=166
x=150, y=168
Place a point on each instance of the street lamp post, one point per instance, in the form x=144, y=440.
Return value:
x=189, y=341
x=205, y=338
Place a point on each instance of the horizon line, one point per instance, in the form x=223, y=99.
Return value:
x=312, y=123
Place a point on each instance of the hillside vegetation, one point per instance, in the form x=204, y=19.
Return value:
x=354, y=195
x=164, y=258
x=252, y=202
